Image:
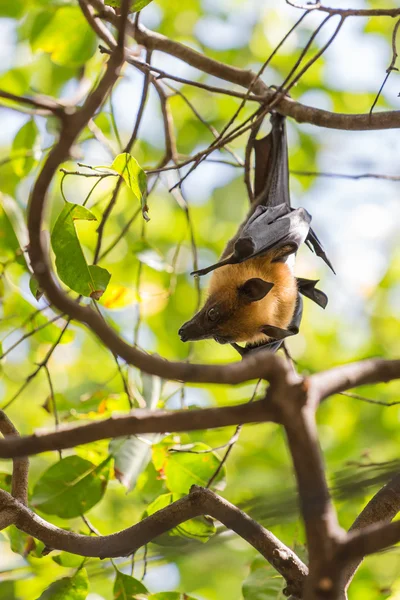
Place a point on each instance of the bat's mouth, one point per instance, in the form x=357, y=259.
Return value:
x=221, y=339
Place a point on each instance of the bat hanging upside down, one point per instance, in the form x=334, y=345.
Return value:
x=254, y=296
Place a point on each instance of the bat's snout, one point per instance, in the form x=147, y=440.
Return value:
x=193, y=330
x=183, y=333
x=189, y=332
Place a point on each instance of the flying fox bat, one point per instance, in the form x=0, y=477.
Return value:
x=254, y=296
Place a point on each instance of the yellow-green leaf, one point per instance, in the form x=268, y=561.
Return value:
x=134, y=177
x=65, y=35
x=72, y=268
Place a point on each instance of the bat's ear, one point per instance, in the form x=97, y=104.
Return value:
x=255, y=289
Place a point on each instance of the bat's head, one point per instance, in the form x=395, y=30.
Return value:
x=240, y=305
x=225, y=315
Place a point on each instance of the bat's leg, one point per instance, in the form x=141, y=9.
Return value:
x=242, y=351
x=289, y=357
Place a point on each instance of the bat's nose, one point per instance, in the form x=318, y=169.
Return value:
x=183, y=334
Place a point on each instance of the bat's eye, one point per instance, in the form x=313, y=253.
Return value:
x=213, y=314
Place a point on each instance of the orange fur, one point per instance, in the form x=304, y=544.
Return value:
x=245, y=319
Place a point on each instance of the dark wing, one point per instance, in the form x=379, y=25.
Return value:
x=308, y=289
x=271, y=223
x=272, y=228
x=314, y=244
x=271, y=177
x=275, y=228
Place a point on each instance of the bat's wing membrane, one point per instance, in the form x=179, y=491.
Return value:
x=314, y=244
x=272, y=228
x=271, y=171
x=268, y=229
x=308, y=289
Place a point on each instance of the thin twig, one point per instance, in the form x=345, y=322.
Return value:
x=345, y=175
x=30, y=333
x=231, y=443
x=369, y=400
x=53, y=402
x=390, y=68
x=40, y=366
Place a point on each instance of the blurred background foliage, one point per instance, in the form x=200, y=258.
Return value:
x=48, y=48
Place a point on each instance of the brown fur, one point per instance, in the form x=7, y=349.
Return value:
x=244, y=320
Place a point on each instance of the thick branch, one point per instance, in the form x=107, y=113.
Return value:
x=245, y=78
x=141, y=421
x=369, y=540
x=374, y=370
x=297, y=414
x=20, y=465
x=198, y=502
x=382, y=508
x=284, y=385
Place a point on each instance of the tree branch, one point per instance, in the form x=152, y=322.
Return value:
x=199, y=501
x=369, y=540
x=244, y=77
x=347, y=12
x=374, y=370
x=297, y=413
x=20, y=465
x=284, y=385
x=382, y=508
x=38, y=103
x=138, y=422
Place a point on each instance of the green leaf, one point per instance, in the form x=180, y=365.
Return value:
x=170, y=596
x=15, y=81
x=14, y=9
x=135, y=6
x=25, y=149
x=65, y=35
x=68, y=560
x=71, y=487
x=7, y=591
x=200, y=528
x=132, y=455
x=183, y=469
x=100, y=278
x=24, y=544
x=127, y=587
x=262, y=583
x=134, y=177
x=72, y=268
x=13, y=233
x=37, y=293
x=68, y=588
x=5, y=478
